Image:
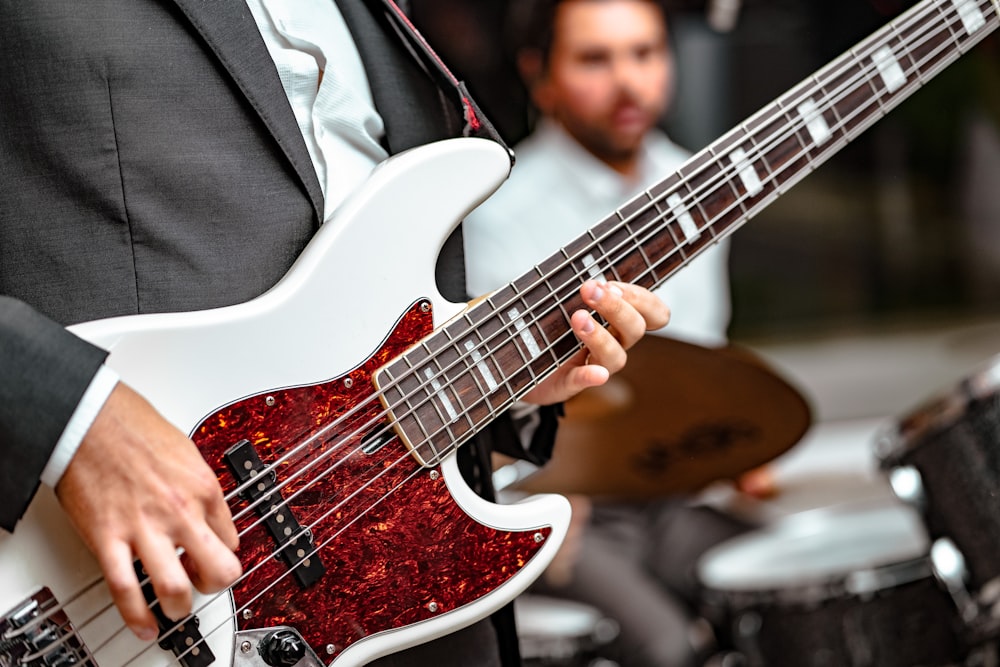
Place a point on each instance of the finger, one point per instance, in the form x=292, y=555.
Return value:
x=603, y=349
x=220, y=520
x=609, y=302
x=170, y=581
x=116, y=562
x=210, y=563
x=651, y=307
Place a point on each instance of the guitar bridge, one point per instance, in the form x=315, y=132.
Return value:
x=38, y=633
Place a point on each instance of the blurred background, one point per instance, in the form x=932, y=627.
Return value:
x=874, y=282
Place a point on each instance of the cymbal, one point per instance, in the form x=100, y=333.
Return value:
x=676, y=418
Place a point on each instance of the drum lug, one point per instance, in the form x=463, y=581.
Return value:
x=948, y=564
x=908, y=486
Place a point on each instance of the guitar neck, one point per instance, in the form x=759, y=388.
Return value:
x=458, y=379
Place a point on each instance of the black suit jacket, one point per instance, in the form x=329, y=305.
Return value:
x=150, y=162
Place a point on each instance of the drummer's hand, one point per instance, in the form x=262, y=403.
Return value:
x=138, y=488
x=759, y=483
x=630, y=312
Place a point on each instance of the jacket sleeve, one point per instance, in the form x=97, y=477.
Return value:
x=44, y=371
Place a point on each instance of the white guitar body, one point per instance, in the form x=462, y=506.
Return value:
x=329, y=314
x=418, y=554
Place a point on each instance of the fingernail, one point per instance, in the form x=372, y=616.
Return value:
x=616, y=290
x=588, y=326
x=598, y=294
x=145, y=634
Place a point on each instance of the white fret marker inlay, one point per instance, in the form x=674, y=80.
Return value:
x=684, y=218
x=972, y=17
x=593, y=269
x=815, y=123
x=751, y=181
x=484, y=370
x=889, y=69
x=448, y=407
x=524, y=332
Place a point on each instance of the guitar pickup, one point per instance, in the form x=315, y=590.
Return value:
x=182, y=638
x=295, y=546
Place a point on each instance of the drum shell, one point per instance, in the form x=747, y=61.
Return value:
x=957, y=454
x=907, y=624
x=553, y=632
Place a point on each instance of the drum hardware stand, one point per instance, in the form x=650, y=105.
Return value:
x=908, y=486
x=947, y=561
x=981, y=613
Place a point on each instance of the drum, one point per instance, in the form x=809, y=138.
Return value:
x=832, y=588
x=562, y=633
x=943, y=458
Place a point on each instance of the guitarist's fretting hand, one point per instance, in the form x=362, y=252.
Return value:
x=630, y=312
x=138, y=488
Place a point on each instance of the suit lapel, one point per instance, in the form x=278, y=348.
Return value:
x=230, y=31
x=411, y=105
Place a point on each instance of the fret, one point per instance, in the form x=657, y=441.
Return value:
x=644, y=236
x=561, y=279
x=676, y=223
x=851, y=93
x=593, y=268
x=617, y=245
x=503, y=340
x=541, y=324
x=971, y=15
x=757, y=173
x=784, y=150
x=706, y=184
x=926, y=45
x=817, y=121
x=404, y=396
x=712, y=187
x=484, y=375
x=663, y=244
x=456, y=371
x=653, y=240
x=556, y=328
x=813, y=125
x=491, y=341
x=442, y=405
x=891, y=76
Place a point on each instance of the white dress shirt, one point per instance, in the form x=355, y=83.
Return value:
x=326, y=84
x=557, y=190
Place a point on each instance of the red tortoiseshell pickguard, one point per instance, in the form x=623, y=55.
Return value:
x=397, y=547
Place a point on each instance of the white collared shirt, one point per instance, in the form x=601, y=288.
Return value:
x=327, y=87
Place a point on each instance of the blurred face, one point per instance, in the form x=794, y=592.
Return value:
x=609, y=75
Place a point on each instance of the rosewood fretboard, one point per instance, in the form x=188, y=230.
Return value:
x=458, y=379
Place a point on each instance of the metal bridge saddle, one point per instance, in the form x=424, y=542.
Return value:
x=37, y=633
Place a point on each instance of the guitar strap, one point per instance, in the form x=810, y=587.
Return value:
x=476, y=122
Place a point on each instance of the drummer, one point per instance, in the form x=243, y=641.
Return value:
x=601, y=74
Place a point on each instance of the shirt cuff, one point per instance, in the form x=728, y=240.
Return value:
x=93, y=400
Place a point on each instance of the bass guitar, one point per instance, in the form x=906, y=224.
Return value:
x=331, y=414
